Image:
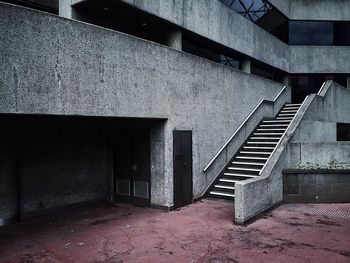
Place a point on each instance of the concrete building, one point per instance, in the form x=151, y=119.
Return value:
x=161, y=103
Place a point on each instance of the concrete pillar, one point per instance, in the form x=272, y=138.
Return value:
x=65, y=9
x=9, y=185
x=246, y=66
x=173, y=39
x=348, y=82
x=286, y=80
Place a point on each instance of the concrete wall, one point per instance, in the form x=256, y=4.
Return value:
x=320, y=10
x=319, y=154
x=317, y=59
x=217, y=22
x=319, y=122
x=53, y=65
x=317, y=186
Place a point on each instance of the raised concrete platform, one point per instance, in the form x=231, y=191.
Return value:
x=201, y=232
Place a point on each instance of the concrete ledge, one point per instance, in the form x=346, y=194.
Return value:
x=316, y=171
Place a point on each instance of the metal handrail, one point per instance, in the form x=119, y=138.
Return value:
x=240, y=127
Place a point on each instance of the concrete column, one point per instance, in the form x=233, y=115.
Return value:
x=173, y=39
x=65, y=9
x=286, y=80
x=246, y=66
x=348, y=82
x=9, y=185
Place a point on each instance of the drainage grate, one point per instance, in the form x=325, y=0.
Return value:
x=324, y=212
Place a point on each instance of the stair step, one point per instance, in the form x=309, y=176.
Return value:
x=265, y=138
x=271, y=130
x=288, y=112
x=221, y=194
x=244, y=169
x=247, y=163
x=252, y=158
x=285, y=119
x=261, y=142
x=224, y=187
x=257, y=147
x=267, y=133
x=262, y=153
x=274, y=121
x=291, y=108
x=239, y=175
x=274, y=125
x=292, y=104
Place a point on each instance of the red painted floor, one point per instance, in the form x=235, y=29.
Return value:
x=201, y=232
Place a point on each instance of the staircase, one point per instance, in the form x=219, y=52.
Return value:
x=250, y=159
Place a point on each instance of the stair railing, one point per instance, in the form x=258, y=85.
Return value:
x=242, y=125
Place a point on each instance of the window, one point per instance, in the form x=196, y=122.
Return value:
x=310, y=33
x=343, y=131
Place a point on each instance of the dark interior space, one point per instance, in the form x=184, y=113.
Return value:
x=202, y=47
x=50, y=6
x=63, y=160
x=122, y=17
x=305, y=84
x=343, y=131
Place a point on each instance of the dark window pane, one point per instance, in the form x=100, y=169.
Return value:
x=310, y=33
x=343, y=131
x=342, y=33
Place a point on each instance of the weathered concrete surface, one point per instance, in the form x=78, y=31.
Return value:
x=322, y=154
x=319, y=10
x=328, y=108
x=318, y=59
x=255, y=195
x=55, y=66
x=316, y=186
x=265, y=109
x=201, y=232
x=217, y=22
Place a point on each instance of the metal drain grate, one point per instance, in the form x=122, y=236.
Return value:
x=324, y=212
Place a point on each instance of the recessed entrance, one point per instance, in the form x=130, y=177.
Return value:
x=132, y=168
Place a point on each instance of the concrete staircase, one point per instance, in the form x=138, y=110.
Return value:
x=250, y=159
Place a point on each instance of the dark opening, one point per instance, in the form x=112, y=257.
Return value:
x=182, y=161
x=343, y=131
x=125, y=18
x=305, y=84
x=50, y=6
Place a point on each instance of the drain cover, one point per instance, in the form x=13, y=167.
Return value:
x=324, y=212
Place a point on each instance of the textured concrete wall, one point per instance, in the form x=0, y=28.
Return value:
x=320, y=10
x=52, y=65
x=282, y=5
x=317, y=186
x=317, y=59
x=319, y=153
x=217, y=22
x=319, y=122
x=255, y=195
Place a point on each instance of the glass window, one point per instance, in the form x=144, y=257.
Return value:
x=343, y=131
x=310, y=33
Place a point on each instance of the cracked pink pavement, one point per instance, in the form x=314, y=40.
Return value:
x=200, y=232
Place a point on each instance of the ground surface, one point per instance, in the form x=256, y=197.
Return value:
x=201, y=232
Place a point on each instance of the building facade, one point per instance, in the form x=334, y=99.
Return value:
x=149, y=101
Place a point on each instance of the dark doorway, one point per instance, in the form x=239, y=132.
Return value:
x=182, y=168
x=132, y=169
